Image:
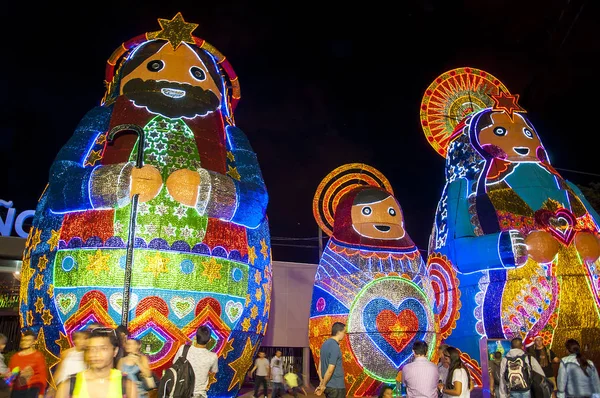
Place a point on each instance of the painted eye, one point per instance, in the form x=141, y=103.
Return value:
x=528, y=133
x=392, y=212
x=197, y=73
x=156, y=65
x=501, y=131
x=367, y=211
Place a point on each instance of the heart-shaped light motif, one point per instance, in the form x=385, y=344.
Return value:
x=397, y=329
x=65, y=302
x=233, y=310
x=393, y=328
x=182, y=306
x=561, y=224
x=116, y=301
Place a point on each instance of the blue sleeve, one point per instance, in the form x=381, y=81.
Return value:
x=252, y=197
x=69, y=176
x=585, y=202
x=473, y=253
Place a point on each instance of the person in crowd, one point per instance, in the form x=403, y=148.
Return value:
x=577, y=376
x=72, y=360
x=457, y=381
x=277, y=375
x=386, y=392
x=122, y=335
x=31, y=381
x=261, y=367
x=202, y=360
x=530, y=365
x=100, y=379
x=330, y=368
x=443, y=362
x=4, y=371
x=136, y=366
x=545, y=357
x=421, y=376
x=494, y=372
x=294, y=382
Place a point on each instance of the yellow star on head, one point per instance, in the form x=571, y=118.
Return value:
x=230, y=156
x=507, y=103
x=227, y=348
x=233, y=173
x=50, y=291
x=254, y=312
x=39, y=281
x=39, y=305
x=101, y=139
x=42, y=262
x=265, y=328
x=259, y=326
x=35, y=238
x=258, y=294
x=264, y=249
x=246, y=324
x=156, y=264
x=241, y=365
x=176, y=30
x=47, y=317
x=63, y=342
x=257, y=277
x=92, y=158
x=315, y=331
x=21, y=320
x=212, y=270
x=251, y=254
x=29, y=318
x=248, y=299
x=267, y=290
x=98, y=262
x=54, y=239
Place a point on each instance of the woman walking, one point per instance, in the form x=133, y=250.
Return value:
x=577, y=376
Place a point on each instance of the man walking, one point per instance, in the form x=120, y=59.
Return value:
x=421, y=376
x=202, y=360
x=443, y=363
x=330, y=369
x=31, y=382
x=515, y=372
x=261, y=366
x=277, y=375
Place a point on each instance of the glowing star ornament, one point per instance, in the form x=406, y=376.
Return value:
x=510, y=249
x=358, y=280
x=187, y=184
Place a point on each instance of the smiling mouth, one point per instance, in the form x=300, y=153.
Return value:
x=172, y=92
x=521, y=150
x=383, y=228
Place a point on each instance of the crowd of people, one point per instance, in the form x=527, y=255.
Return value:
x=108, y=363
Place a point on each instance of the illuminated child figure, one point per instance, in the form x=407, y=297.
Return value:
x=372, y=278
x=523, y=240
x=202, y=251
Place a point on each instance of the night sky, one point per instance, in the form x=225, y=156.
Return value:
x=322, y=85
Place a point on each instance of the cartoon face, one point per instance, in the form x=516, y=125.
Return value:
x=377, y=215
x=173, y=83
x=513, y=140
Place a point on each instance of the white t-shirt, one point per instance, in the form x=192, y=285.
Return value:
x=277, y=370
x=461, y=375
x=202, y=361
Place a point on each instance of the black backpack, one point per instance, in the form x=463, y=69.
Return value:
x=517, y=374
x=179, y=380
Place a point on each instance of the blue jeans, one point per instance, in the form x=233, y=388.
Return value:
x=520, y=394
x=278, y=388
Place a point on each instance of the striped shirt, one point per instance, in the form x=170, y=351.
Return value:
x=421, y=378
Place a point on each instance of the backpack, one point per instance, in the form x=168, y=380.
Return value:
x=179, y=380
x=517, y=374
x=73, y=380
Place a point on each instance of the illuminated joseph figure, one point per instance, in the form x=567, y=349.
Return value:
x=200, y=251
x=372, y=278
x=523, y=240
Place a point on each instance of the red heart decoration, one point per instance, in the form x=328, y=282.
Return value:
x=560, y=224
x=397, y=329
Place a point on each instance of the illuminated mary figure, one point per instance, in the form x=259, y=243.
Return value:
x=201, y=250
x=372, y=278
x=522, y=239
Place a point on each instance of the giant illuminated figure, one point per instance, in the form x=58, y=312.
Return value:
x=200, y=252
x=372, y=278
x=522, y=239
